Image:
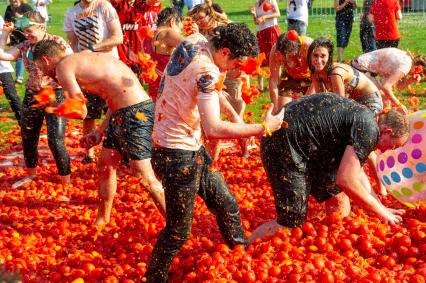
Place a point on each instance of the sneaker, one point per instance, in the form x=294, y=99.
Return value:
x=19, y=80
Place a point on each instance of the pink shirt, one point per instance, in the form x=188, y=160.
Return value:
x=191, y=75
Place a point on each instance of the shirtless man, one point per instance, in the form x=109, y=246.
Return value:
x=129, y=120
x=290, y=75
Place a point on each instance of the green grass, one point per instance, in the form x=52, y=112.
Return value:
x=412, y=28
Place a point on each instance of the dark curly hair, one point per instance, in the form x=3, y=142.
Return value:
x=321, y=42
x=167, y=14
x=238, y=38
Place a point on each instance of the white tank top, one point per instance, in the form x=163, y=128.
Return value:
x=260, y=12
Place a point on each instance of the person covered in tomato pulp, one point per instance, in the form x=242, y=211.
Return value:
x=321, y=153
x=32, y=25
x=130, y=117
x=187, y=108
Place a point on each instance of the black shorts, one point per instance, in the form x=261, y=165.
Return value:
x=293, y=179
x=130, y=131
x=95, y=106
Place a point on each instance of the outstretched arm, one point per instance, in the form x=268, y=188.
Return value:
x=275, y=61
x=216, y=128
x=348, y=179
x=13, y=53
x=387, y=89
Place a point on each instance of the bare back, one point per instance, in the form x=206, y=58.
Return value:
x=103, y=75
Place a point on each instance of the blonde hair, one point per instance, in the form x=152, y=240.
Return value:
x=216, y=19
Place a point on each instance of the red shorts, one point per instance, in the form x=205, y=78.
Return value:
x=266, y=39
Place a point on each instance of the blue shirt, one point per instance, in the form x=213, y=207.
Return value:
x=192, y=3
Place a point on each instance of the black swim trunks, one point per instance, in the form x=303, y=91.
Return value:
x=130, y=131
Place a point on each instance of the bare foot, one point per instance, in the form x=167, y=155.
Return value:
x=268, y=228
x=23, y=181
x=100, y=221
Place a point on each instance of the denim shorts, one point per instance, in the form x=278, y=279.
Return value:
x=95, y=106
x=372, y=101
x=293, y=179
x=343, y=32
x=130, y=131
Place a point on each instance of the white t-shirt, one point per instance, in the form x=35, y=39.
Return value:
x=298, y=10
x=90, y=25
x=190, y=76
x=41, y=7
x=384, y=61
x=5, y=66
x=260, y=12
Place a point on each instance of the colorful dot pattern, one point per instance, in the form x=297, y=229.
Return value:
x=403, y=170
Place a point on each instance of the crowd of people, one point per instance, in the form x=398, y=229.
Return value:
x=325, y=120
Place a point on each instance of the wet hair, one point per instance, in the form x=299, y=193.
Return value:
x=217, y=8
x=238, y=38
x=215, y=16
x=321, y=42
x=48, y=48
x=420, y=60
x=397, y=122
x=285, y=45
x=167, y=14
x=35, y=16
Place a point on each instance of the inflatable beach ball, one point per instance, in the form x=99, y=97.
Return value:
x=403, y=170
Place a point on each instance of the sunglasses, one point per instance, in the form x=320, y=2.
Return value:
x=24, y=22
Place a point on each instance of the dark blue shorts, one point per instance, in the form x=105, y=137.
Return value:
x=130, y=131
x=343, y=32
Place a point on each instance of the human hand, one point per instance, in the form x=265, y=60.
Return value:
x=253, y=10
x=8, y=27
x=416, y=78
x=274, y=122
x=90, y=140
x=260, y=20
x=389, y=215
x=402, y=109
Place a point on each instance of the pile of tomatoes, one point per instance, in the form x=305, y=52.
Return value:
x=46, y=232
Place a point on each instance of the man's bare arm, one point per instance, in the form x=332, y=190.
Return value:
x=10, y=55
x=214, y=127
x=115, y=38
x=348, y=180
